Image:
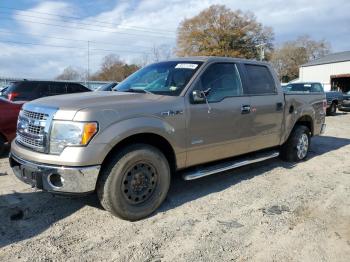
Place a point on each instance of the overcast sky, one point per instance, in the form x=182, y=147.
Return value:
x=38, y=39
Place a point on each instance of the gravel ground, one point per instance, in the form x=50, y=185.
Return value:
x=271, y=211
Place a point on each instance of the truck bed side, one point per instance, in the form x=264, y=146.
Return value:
x=303, y=107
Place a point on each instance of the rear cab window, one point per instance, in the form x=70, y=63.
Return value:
x=260, y=80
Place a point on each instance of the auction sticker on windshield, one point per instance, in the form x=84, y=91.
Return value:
x=187, y=66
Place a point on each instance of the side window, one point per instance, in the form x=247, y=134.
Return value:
x=75, y=88
x=316, y=88
x=57, y=88
x=260, y=80
x=223, y=81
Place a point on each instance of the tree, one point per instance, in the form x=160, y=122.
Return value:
x=70, y=73
x=114, y=69
x=219, y=31
x=292, y=54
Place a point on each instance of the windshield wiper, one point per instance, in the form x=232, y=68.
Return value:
x=136, y=90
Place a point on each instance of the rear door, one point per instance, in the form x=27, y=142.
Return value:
x=218, y=129
x=267, y=104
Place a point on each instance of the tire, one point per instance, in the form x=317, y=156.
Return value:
x=332, y=110
x=297, y=146
x=135, y=182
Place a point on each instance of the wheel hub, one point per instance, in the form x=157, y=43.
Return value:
x=139, y=182
x=302, y=146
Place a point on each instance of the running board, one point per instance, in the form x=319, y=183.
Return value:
x=217, y=168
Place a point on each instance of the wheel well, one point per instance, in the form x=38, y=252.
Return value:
x=305, y=121
x=150, y=139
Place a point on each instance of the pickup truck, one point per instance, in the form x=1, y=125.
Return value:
x=334, y=101
x=190, y=116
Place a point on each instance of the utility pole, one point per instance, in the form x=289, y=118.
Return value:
x=261, y=50
x=88, y=63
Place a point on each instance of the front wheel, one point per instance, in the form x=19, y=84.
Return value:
x=135, y=182
x=297, y=146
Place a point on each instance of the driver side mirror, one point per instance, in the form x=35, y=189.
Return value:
x=198, y=96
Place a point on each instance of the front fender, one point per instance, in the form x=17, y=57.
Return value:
x=173, y=132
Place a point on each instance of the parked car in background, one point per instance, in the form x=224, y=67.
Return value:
x=29, y=90
x=334, y=101
x=178, y=115
x=345, y=106
x=107, y=87
x=8, y=120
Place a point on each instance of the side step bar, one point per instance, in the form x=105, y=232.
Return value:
x=217, y=168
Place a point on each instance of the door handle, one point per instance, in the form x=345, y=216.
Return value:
x=245, y=109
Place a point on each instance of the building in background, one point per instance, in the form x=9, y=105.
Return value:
x=333, y=71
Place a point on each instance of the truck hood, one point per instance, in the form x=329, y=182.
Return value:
x=94, y=105
x=80, y=101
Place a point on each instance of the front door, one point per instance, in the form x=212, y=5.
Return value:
x=218, y=129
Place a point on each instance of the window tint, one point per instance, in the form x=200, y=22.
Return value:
x=76, y=88
x=260, y=80
x=223, y=81
x=57, y=88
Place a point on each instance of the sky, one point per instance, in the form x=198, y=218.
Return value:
x=38, y=39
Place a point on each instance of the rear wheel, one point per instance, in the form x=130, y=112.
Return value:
x=297, y=146
x=332, y=110
x=135, y=182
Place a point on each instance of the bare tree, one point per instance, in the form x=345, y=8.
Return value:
x=287, y=58
x=114, y=69
x=70, y=73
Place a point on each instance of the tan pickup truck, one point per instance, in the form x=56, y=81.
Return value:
x=189, y=116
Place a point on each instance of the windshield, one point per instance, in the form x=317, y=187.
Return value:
x=165, y=78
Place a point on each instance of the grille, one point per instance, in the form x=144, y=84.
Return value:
x=35, y=115
x=35, y=130
x=36, y=144
x=31, y=130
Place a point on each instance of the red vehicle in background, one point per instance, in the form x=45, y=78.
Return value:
x=8, y=121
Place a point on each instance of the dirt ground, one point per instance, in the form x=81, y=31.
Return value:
x=271, y=211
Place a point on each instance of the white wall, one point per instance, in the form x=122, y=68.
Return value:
x=322, y=73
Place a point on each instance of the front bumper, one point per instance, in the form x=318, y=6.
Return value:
x=59, y=179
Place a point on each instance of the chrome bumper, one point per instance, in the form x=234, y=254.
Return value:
x=58, y=179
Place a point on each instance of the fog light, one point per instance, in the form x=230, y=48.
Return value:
x=55, y=180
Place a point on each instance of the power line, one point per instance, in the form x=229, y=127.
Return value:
x=83, y=28
x=81, y=18
x=72, y=47
x=66, y=39
x=80, y=23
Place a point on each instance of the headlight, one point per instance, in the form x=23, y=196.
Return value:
x=67, y=133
